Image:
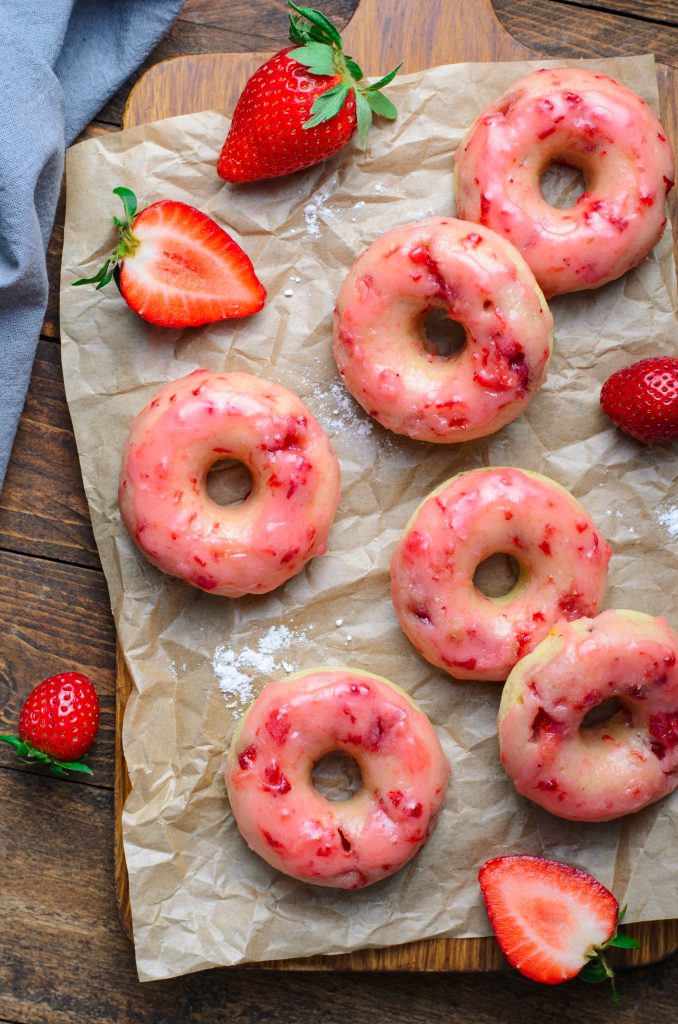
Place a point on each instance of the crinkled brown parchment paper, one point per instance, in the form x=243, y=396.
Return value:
x=199, y=897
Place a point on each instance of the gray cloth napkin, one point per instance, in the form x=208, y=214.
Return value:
x=60, y=61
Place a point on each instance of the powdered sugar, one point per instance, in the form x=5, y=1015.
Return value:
x=237, y=670
x=312, y=212
x=338, y=412
x=668, y=518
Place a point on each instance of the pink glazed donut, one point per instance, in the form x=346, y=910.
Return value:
x=249, y=548
x=589, y=121
x=601, y=771
x=562, y=559
x=483, y=283
x=350, y=843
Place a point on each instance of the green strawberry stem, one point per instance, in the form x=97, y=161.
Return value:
x=127, y=245
x=597, y=968
x=31, y=755
x=318, y=47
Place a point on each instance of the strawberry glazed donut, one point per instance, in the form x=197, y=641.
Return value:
x=561, y=556
x=589, y=121
x=480, y=281
x=249, y=548
x=594, y=772
x=350, y=843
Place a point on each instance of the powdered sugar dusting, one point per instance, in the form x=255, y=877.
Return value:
x=338, y=412
x=237, y=670
x=668, y=518
x=312, y=212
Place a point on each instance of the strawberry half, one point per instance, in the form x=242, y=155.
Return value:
x=57, y=724
x=552, y=921
x=642, y=399
x=176, y=267
x=301, y=106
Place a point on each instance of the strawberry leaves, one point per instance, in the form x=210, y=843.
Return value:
x=127, y=243
x=31, y=755
x=597, y=969
x=319, y=48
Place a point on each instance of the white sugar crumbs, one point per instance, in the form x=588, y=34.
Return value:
x=237, y=670
x=313, y=210
x=668, y=518
x=338, y=412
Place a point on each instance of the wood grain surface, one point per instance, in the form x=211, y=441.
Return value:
x=63, y=956
x=381, y=34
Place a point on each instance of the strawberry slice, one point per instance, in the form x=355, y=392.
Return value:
x=551, y=920
x=176, y=267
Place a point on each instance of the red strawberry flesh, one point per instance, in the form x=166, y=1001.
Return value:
x=547, y=916
x=187, y=270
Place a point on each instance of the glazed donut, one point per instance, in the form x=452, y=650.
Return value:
x=249, y=548
x=285, y=819
x=562, y=558
x=603, y=771
x=589, y=121
x=482, y=282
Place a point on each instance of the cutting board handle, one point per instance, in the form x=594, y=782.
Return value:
x=381, y=34
x=425, y=33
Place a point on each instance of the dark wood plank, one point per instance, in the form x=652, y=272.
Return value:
x=557, y=29
x=68, y=961
x=55, y=618
x=662, y=11
x=43, y=510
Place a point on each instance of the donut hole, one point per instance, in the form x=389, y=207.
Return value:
x=337, y=776
x=603, y=712
x=562, y=185
x=442, y=336
x=497, y=575
x=229, y=482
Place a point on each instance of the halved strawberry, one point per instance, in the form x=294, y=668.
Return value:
x=552, y=921
x=176, y=267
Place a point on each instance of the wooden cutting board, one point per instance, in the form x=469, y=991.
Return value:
x=421, y=33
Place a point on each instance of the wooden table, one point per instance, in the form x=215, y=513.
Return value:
x=64, y=958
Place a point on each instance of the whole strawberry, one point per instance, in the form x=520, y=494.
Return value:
x=57, y=724
x=301, y=106
x=642, y=399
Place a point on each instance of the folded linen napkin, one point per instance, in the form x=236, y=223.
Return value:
x=59, y=63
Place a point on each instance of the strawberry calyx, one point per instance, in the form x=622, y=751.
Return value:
x=597, y=969
x=319, y=48
x=31, y=755
x=127, y=245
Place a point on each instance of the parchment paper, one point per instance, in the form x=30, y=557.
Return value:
x=199, y=897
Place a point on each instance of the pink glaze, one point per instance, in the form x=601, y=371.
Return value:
x=350, y=843
x=589, y=121
x=562, y=558
x=602, y=771
x=248, y=548
x=484, y=284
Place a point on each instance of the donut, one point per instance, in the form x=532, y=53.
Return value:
x=350, y=843
x=588, y=121
x=562, y=559
x=251, y=547
x=600, y=771
x=480, y=281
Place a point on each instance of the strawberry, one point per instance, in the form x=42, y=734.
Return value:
x=552, y=921
x=57, y=724
x=301, y=106
x=176, y=267
x=642, y=399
